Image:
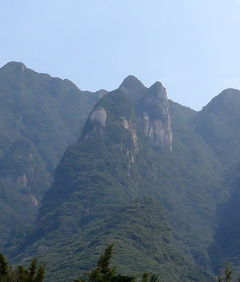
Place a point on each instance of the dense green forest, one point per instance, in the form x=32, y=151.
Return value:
x=39, y=117
x=155, y=178
x=103, y=272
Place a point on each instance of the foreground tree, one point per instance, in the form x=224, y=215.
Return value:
x=104, y=273
x=21, y=274
x=227, y=275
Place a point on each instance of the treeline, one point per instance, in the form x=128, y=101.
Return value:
x=227, y=275
x=103, y=272
x=33, y=273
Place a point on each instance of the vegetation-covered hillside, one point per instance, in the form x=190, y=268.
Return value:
x=147, y=174
x=142, y=176
x=39, y=117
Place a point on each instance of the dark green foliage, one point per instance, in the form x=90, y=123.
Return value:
x=218, y=125
x=158, y=206
x=21, y=274
x=39, y=117
x=227, y=275
x=226, y=245
x=3, y=266
x=105, y=273
x=150, y=278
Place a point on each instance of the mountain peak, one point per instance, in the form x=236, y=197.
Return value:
x=14, y=66
x=157, y=84
x=224, y=102
x=230, y=91
x=131, y=82
x=227, y=95
x=158, y=89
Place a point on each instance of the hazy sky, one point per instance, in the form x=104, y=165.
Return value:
x=191, y=46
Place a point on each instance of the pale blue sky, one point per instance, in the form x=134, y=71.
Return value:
x=191, y=46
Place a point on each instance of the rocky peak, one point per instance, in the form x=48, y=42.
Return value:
x=133, y=88
x=227, y=102
x=157, y=84
x=131, y=83
x=229, y=92
x=156, y=120
x=159, y=91
x=151, y=113
x=14, y=66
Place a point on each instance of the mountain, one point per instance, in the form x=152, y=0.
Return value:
x=158, y=179
x=218, y=124
x=39, y=117
x=226, y=244
x=144, y=175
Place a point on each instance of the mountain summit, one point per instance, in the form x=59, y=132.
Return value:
x=131, y=83
x=138, y=109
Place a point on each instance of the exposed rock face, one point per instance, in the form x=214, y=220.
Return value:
x=156, y=119
x=151, y=114
x=158, y=131
x=22, y=180
x=132, y=129
x=99, y=116
x=152, y=104
x=96, y=123
x=34, y=200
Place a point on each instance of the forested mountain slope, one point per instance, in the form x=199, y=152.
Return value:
x=141, y=175
x=39, y=117
x=218, y=124
x=157, y=179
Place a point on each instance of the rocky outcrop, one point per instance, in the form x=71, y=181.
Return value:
x=132, y=129
x=156, y=120
x=22, y=180
x=151, y=113
x=152, y=105
x=95, y=123
x=99, y=116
